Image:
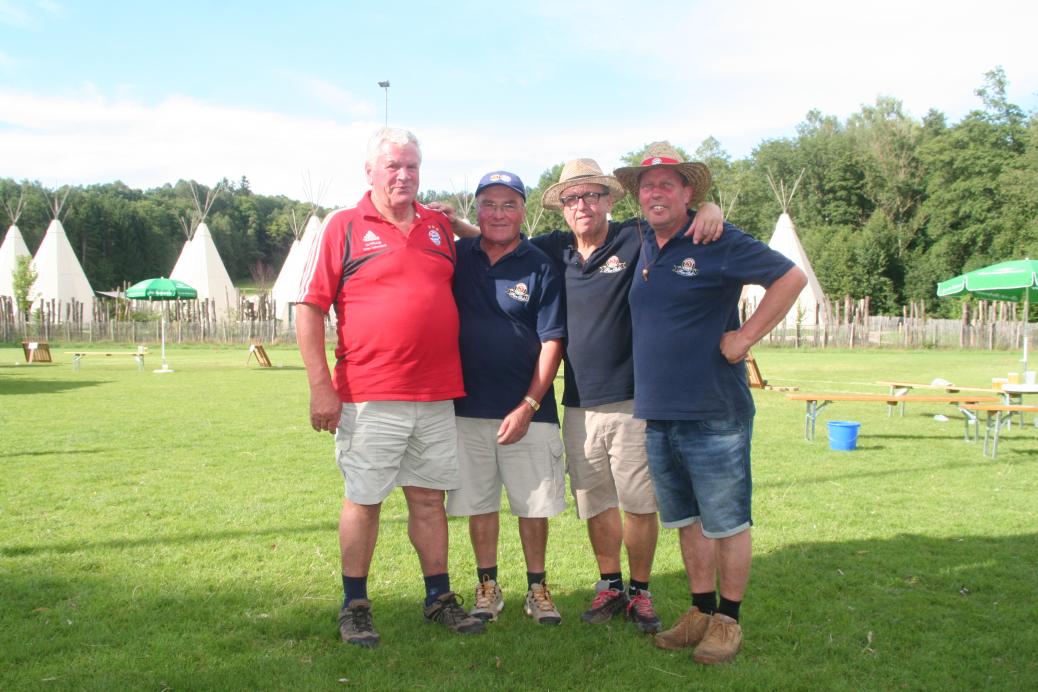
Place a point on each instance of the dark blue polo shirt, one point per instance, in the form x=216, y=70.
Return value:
x=506, y=311
x=680, y=310
x=599, y=365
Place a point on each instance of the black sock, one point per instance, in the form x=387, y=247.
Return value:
x=353, y=588
x=436, y=585
x=706, y=602
x=486, y=572
x=729, y=608
x=534, y=578
x=637, y=586
x=615, y=579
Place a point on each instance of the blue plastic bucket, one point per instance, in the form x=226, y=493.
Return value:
x=843, y=435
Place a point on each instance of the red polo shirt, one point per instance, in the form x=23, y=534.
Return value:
x=397, y=321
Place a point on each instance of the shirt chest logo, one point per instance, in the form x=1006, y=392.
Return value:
x=372, y=241
x=613, y=265
x=434, y=236
x=519, y=292
x=686, y=268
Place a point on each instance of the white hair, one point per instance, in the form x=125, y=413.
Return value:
x=392, y=135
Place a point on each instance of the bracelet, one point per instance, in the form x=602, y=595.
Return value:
x=533, y=403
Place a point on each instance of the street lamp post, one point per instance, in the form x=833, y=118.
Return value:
x=385, y=85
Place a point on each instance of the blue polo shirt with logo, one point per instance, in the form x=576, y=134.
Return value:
x=680, y=308
x=599, y=364
x=506, y=310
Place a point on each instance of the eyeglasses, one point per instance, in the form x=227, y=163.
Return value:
x=588, y=197
x=491, y=207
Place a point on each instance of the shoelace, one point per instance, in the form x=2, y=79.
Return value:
x=602, y=597
x=542, y=598
x=485, y=595
x=450, y=612
x=642, y=605
x=361, y=619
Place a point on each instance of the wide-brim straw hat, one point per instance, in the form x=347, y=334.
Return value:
x=664, y=155
x=580, y=172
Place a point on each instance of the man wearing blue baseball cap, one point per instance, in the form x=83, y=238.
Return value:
x=513, y=320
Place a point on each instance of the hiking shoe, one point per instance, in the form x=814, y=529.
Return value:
x=721, y=642
x=641, y=612
x=489, y=601
x=606, y=603
x=688, y=631
x=355, y=624
x=540, y=607
x=447, y=611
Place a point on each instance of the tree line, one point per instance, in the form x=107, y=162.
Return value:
x=887, y=206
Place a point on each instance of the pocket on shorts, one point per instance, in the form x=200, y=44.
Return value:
x=343, y=434
x=722, y=426
x=556, y=449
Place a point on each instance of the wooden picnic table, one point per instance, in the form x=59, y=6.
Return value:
x=816, y=402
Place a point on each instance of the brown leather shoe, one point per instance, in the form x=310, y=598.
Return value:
x=722, y=641
x=687, y=631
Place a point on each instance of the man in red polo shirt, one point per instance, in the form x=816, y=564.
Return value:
x=387, y=265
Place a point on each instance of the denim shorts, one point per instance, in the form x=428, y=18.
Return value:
x=701, y=472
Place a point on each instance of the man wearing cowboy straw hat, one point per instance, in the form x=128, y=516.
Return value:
x=692, y=392
x=605, y=444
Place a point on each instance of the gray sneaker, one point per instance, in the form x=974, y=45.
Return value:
x=447, y=611
x=355, y=624
x=489, y=601
x=606, y=603
x=540, y=607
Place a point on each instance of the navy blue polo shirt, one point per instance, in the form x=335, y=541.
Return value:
x=506, y=311
x=680, y=309
x=599, y=364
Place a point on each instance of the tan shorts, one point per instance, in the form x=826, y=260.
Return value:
x=382, y=444
x=531, y=471
x=606, y=459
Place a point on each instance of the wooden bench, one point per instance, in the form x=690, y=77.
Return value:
x=816, y=402
x=262, y=359
x=906, y=387
x=137, y=355
x=36, y=352
x=997, y=416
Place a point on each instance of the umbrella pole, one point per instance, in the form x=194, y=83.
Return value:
x=1027, y=312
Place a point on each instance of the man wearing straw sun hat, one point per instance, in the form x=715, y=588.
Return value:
x=692, y=392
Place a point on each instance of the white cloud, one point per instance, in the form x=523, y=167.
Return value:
x=13, y=14
x=337, y=99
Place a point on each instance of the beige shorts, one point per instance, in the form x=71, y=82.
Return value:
x=382, y=444
x=606, y=459
x=531, y=471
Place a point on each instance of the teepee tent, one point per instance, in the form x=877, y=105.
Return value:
x=200, y=265
x=12, y=248
x=286, y=287
x=59, y=275
x=810, y=308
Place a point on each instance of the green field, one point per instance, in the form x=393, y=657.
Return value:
x=178, y=532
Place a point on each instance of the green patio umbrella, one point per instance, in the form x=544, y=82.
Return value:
x=1014, y=281
x=161, y=289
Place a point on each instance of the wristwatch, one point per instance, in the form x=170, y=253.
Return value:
x=534, y=404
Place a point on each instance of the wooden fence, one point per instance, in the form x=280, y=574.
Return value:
x=987, y=325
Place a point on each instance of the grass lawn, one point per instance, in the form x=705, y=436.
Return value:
x=178, y=532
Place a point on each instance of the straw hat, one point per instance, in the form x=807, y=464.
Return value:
x=664, y=155
x=580, y=172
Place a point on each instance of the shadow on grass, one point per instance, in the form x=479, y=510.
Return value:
x=45, y=386
x=53, y=452
x=912, y=611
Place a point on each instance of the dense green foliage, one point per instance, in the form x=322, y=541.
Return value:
x=22, y=279
x=887, y=206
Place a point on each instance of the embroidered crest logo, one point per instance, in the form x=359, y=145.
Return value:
x=520, y=292
x=613, y=265
x=686, y=268
x=657, y=161
x=434, y=236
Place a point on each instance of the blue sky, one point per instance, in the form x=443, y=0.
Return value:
x=149, y=92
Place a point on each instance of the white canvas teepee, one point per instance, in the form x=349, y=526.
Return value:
x=810, y=308
x=11, y=249
x=59, y=275
x=286, y=287
x=200, y=265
